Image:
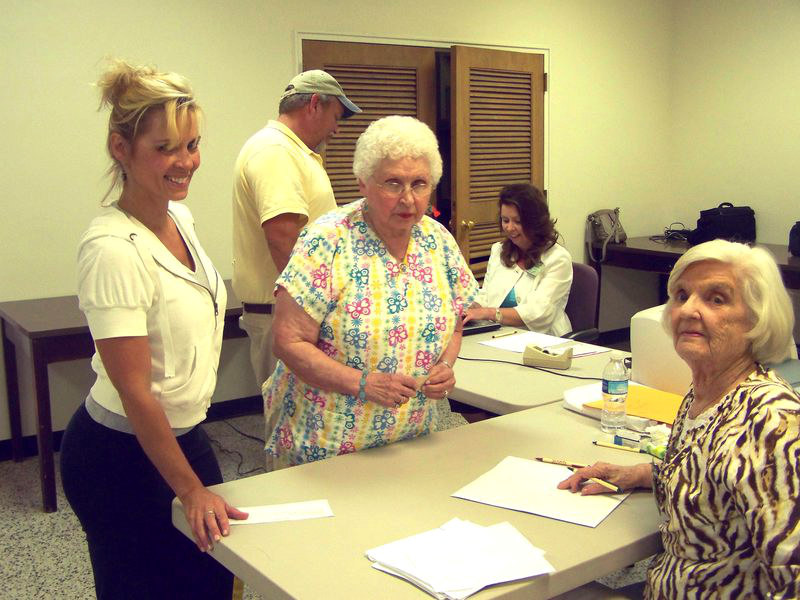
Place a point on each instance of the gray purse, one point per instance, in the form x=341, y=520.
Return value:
x=603, y=227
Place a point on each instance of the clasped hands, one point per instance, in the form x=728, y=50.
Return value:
x=394, y=389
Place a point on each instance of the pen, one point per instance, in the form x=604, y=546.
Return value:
x=499, y=335
x=605, y=484
x=616, y=446
x=564, y=463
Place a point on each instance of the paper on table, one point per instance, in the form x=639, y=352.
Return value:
x=581, y=397
x=460, y=594
x=518, y=341
x=293, y=511
x=530, y=486
x=583, y=400
x=648, y=403
x=459, y=558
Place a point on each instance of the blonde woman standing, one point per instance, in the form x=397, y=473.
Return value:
x=155, y=306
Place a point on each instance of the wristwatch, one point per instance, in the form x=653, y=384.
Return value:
x=498, y=316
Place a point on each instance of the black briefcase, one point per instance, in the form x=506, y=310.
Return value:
x=729, y=222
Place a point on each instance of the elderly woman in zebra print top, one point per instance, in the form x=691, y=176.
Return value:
x=729, y=485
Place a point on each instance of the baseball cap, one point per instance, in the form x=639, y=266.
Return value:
x=317, y=81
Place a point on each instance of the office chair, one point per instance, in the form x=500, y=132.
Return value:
x=582, y=304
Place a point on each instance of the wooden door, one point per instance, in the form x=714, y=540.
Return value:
x=382, y=80
x=497, y=138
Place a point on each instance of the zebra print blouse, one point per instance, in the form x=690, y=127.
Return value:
x=730, y=498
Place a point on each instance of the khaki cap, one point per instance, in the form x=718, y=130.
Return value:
x=317, y=81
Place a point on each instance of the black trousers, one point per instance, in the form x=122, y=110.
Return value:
x=124, y=506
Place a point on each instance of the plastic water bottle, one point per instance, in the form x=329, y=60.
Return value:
x=615, y=393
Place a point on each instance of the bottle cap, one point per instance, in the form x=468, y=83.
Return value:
x=617, y=355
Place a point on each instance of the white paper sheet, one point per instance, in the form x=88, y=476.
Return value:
x=293, y=511
x=530, y=486
x=460, y=558
x=518, y=341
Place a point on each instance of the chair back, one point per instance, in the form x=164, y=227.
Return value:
x=582, y=302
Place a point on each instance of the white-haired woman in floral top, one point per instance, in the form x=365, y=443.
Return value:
x=729, y=484
x=368, y=310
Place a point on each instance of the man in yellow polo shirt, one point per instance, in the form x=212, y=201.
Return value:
x=279, y=186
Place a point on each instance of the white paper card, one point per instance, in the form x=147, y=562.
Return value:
x=517, y=342
x=530, y=486
x=293, y=511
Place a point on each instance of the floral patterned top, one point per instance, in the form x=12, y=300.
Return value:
x=374, y=314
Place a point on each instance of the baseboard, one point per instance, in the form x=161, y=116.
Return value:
x=216, y=412
x=28, y=446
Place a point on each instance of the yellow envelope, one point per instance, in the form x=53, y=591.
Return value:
x=649, y=403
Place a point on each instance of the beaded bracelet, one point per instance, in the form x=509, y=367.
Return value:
x=362, y=387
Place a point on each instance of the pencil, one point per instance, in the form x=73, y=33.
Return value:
x=616, y=446
x=499, y=335
x=604, y=483
x=564, y=463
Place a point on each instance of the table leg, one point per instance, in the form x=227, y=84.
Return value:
x=12, y=392
x=599, y=269
x=44, y=423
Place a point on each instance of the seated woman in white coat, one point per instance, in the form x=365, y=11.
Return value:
x=529, y=275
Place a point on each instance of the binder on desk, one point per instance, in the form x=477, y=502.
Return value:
x=648, y=403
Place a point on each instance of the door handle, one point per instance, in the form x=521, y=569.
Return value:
x=468, y=225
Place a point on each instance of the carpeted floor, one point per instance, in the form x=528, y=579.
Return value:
x=44, y=555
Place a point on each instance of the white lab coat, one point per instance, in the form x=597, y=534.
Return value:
x=541, y=299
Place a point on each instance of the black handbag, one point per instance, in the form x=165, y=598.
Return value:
x=726, y=221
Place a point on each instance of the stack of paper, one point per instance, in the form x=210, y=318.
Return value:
x=644, y=403
x=460, y=558
x=648, y=403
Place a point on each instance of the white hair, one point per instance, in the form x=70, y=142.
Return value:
x=762, y=289
x=394, y=138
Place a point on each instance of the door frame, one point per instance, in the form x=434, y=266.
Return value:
x=299, y=36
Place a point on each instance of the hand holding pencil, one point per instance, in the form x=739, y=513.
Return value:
x=574, y=467
x=624, y=477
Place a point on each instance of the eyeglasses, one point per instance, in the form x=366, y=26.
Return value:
x=395, y=189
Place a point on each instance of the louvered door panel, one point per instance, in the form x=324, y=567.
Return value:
x=500, y=139
x=382, y=80
x=378, y=91
x=498, y=108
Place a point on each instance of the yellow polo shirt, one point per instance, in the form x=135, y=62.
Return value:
x=275, y=173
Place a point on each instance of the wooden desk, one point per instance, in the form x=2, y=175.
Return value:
x=643, y=254
x=502, y=388
x=388, y=493
x=50, y=330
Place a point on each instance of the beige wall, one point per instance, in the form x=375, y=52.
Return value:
x=645, y=97
x=735, y=113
